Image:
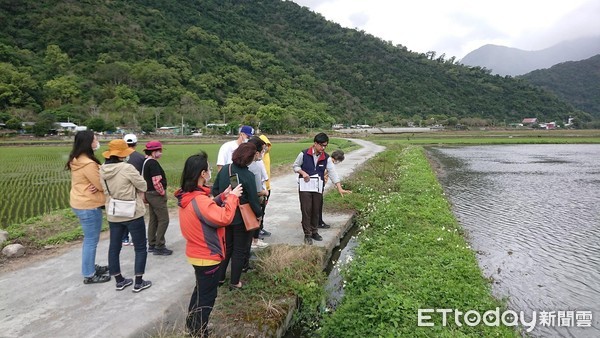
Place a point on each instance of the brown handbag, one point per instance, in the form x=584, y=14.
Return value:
x=250, y=220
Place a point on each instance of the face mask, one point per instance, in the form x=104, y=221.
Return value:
x=126, y=159
x=97, y=146
x=246, y=140
x=209, y=175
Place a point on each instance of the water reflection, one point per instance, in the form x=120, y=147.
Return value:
x=531, y=212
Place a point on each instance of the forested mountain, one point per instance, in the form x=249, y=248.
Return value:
x=513, y=61
x=143, y=63
x=577, y=82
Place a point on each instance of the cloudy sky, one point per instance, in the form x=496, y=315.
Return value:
x=458, y=27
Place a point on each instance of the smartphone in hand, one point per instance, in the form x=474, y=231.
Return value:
x=234, y=181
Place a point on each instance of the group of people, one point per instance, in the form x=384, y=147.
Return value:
x=209, y=216
x=124, y=175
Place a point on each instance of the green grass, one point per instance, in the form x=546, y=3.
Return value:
x=411, y=255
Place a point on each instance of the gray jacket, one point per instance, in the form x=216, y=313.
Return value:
x=124, y=182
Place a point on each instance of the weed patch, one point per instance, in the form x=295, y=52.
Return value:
x=285, y=277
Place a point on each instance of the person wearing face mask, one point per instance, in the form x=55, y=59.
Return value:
x=227, y=149
x=87, y=200
x=203, y=219
x=156, y=197
x=260, y=176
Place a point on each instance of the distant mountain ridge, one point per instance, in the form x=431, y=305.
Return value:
x=577, y=82
x=503, y=60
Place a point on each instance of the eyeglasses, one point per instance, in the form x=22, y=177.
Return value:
x=323, y=145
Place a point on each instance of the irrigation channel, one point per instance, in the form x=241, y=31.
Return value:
x=531, y=214
x=334, y=287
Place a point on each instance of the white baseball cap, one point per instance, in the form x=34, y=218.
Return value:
x=130, y=138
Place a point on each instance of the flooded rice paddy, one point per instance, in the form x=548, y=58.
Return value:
x=531, y=212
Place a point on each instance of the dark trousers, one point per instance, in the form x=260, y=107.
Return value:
x=310, y=205
x=137, y=228
x=321, y=213
x=203, y=299
x=236, y=242
x=159, y=219
x=262, y=220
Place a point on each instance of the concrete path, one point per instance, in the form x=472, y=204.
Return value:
x=49, y=299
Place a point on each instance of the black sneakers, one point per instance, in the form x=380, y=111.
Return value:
x=264, y=233
x=125, y=283
x=324, y=226
x=307, y=240
x=162, y=251
x=316, y=237
x=96, y=278
x=143, y=285
x=150, y=248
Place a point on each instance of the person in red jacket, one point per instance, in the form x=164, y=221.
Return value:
x=202, y=220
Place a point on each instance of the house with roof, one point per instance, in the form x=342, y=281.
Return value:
x=529, y=121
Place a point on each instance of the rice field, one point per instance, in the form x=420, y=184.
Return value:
x=33, y=180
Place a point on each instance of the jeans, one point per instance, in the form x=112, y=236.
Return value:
x=203, y=299
x=158, y=219
x=137, y=229
x=91, y=224
x=236, y=244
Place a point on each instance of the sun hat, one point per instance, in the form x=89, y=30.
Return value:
x=117, y=148
x=153, y=145
x=130, y=138
x=247, y=130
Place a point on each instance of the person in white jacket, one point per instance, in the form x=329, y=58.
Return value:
x=122, y=181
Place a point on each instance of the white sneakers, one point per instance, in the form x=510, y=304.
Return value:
x=259, y=244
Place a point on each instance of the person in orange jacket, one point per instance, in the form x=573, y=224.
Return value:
x=202, y=220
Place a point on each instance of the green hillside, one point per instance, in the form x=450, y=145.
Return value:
x=576, y=82
x=139, y=63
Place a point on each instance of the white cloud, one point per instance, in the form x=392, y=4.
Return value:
x=460, y=26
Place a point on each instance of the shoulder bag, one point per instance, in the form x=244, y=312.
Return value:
x=250, y=220
x=120, y=208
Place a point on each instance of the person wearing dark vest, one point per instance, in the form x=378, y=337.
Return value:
x=313, y=162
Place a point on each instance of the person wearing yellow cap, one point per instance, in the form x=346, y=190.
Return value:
x=266, y=159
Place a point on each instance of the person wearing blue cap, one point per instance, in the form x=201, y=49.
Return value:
x=227, y=149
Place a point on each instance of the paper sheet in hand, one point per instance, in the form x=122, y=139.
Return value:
x=313, y=185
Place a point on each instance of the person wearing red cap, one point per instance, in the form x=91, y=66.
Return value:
x=156, y=196
x=227, y=149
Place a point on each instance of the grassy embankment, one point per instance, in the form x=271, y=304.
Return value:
x=412, y=254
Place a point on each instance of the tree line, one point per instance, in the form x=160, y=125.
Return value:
x=141, y=64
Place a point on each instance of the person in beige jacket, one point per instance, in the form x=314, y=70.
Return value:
x=122, y=181
x=87, y=200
